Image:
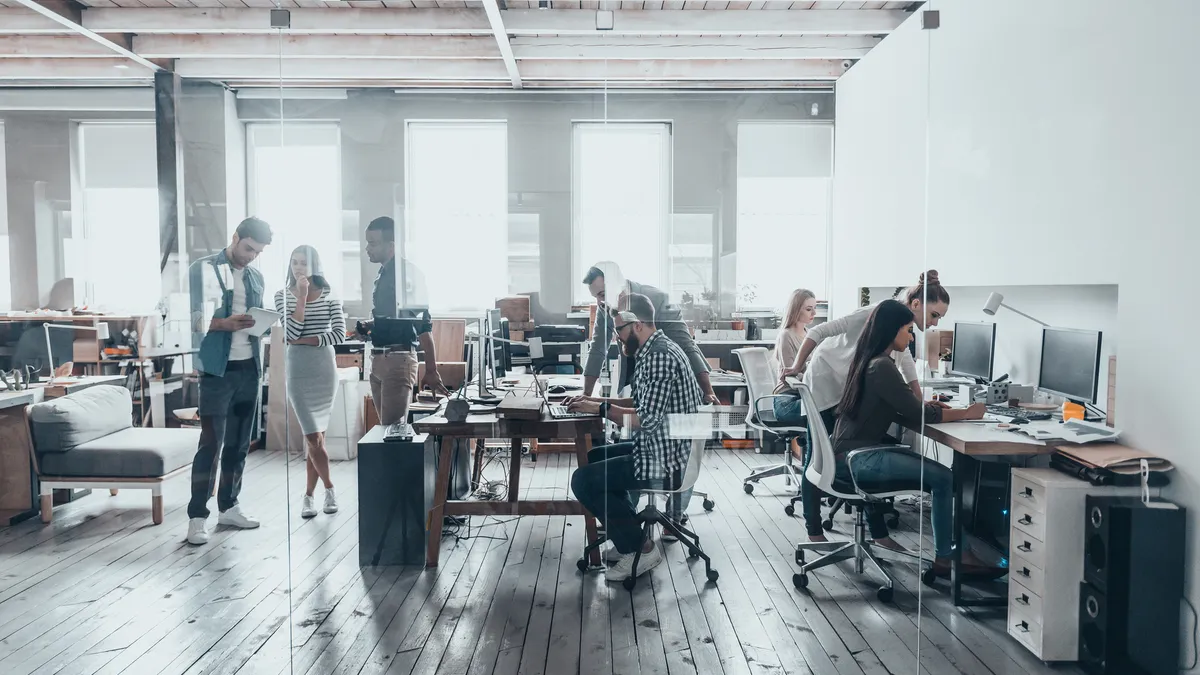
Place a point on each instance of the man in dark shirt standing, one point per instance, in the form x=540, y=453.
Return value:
x=393, y=357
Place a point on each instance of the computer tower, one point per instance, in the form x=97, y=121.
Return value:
x=1133, y=582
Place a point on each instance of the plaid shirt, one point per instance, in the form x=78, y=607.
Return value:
x=663, y=385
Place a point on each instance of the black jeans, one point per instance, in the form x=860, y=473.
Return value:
x=228, y=405
x=811, y=495
x=604, y=487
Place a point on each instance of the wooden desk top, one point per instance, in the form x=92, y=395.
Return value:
x=13, y=399
x=984, y=439
x=489, y=425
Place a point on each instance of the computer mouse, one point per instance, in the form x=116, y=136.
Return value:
x=1019, y=420
x=557, y=390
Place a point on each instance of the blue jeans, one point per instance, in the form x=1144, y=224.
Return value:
x=228, y=406
x=886, y=471
x=790, y=411
x=604, y=488
x=676, y=505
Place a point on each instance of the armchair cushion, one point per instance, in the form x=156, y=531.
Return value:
x=129, y=453
x=63, y=424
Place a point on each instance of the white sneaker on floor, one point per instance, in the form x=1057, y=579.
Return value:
x=330, y=502
x=197, y=531
x=612, y=555
x=308, y=507
x=623, y=569
x=235, y=518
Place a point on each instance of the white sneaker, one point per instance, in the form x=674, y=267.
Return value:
x=235, y=518
x=623, y=569
x=612, y=555
x=197, y=531
x=330, y=501
x=308, y=509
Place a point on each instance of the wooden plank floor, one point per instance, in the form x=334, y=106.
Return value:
x=101, y=590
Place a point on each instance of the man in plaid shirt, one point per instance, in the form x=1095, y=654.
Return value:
x=663, y=387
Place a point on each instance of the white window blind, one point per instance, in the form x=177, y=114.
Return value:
x=622, y=200
x=295, y=174
x=119, y=227
x=784, y=171
x=456, y=212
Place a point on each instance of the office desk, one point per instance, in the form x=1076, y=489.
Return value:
x=517, y=431
x=970, y=441
x=18, y=483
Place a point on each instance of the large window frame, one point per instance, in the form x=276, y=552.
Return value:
x=657, y=272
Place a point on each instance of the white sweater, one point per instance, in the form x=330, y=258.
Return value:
x=830, y=361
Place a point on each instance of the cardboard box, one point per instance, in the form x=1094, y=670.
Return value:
x=515, y=309
x=453, y=373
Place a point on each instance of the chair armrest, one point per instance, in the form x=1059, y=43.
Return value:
x=874, y=448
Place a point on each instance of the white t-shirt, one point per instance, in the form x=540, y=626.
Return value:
x=830, y=361
x=239, y=348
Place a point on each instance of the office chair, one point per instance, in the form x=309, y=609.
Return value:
x=760, y=381
x=651, y=515
x=821, y=473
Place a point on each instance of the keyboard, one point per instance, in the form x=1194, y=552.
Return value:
x=397, y=432
x=1031, y=415
x=560, y=412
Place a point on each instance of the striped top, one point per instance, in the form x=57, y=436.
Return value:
x=323, y=318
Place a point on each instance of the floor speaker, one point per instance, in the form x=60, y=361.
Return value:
x=1133, y=581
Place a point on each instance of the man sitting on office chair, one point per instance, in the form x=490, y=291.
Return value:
x=605, y=278
x=662, y=388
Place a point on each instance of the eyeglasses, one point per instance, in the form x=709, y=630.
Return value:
x=622, y=327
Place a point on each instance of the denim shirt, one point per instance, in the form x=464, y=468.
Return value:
x=213, y=353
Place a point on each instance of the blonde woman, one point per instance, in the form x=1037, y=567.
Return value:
x=315, y=323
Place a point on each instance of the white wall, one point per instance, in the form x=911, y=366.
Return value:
x=1063, y=150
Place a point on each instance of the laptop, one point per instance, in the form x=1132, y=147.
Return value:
x=557, y=410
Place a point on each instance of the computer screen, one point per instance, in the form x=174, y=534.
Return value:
x=1070, y=363
x=974, y=348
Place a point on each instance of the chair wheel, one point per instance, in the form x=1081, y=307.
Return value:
x=629, y=583
x=827, y=525
x=790, y=510
x=894, y=521
x=582, y=564
x=800, y=580
x=713, y=575
x=929, y=578
x=709, y=505
x=884, y=594
x=799, y=556
x=748, y=487
x=693, y=552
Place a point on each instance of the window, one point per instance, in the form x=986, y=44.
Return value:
x=691, y=255
x=5, y=276
x=524, y=248
x=456, y=215
x=783, y=182
x=621, y=199
x=295, y=172
x=119, y=229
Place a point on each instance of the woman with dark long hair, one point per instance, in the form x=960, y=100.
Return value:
x=876, y=396
x=315, y=323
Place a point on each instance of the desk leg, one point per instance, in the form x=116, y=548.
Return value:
x=477, y=468
x=961, y=466
x=583, y=445
x=514, y=470
x=441, y=488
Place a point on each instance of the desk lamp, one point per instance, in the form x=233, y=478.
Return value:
x=995, y=301
x=101, y=334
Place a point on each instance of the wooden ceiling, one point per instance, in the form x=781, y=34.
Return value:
x=442, y=43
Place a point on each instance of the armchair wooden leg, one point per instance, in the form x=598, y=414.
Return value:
x=47, y=508
x=113, y=492
x=157, y=509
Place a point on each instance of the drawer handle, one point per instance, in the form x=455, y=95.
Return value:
x=1024, y=626
x=1025, y=548
x=1027, y=493
x=1024, y=572
x=1024, y=599
x=1026, y=520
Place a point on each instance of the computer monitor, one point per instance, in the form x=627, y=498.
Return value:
x=974, y=350
x=1071, y=363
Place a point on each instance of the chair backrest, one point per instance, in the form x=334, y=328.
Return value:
x=62, y=424
x=760, y=380
x=822, y=466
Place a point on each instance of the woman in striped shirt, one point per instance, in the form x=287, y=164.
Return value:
x=315, y=323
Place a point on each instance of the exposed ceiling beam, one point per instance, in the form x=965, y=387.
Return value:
x=516, y=22
x=69, y=15
x=53, y=47
x=497, y=24
x=134, y=99
x=493, y=70
x=646, y=48
x=315, y=46
x=73, y=69
x=21, y=21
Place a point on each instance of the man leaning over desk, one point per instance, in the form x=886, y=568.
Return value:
x=606, y=277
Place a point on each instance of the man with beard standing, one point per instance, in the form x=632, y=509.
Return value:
x=663, y=387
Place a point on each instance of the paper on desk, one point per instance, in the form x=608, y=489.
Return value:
x=1075, y=431
x=263, y=320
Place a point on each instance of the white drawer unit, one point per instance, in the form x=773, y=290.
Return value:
x=1046, y=559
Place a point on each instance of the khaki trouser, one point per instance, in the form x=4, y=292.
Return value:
x=393, y=378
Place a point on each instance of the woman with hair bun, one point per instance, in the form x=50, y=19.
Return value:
x=824, y=362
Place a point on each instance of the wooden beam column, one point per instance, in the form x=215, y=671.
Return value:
x=169, y=149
